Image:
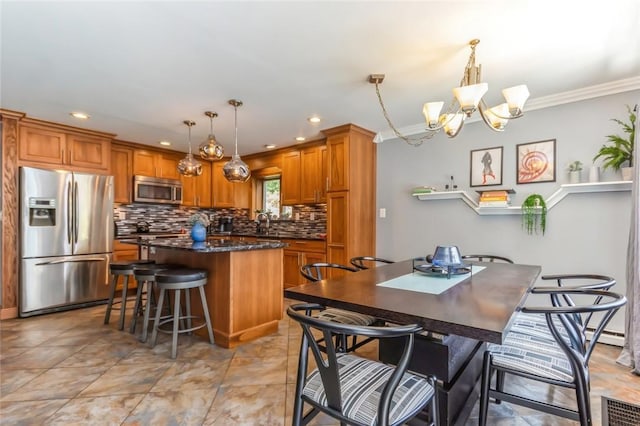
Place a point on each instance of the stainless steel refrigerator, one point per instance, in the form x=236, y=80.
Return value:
x=66, y=239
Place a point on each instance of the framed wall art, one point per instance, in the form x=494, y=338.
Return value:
x=486, y=167
x=536, y=162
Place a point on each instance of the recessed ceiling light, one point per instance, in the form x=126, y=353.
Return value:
x=80, y=115
x=314, y=119
x=165, y=143
x=301, y=138
x=270, y=146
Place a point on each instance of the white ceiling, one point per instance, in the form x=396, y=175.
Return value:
x=141, y=68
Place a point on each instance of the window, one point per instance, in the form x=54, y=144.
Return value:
x=271, y=196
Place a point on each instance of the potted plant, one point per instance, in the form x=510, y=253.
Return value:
x=620, y=152
x=534, y=214
x=575, y=170
x=199, y=223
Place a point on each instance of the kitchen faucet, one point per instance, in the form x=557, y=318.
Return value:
x=259, y=228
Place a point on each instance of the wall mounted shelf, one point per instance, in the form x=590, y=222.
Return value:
x=552, y=200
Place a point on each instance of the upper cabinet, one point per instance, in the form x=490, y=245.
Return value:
x=55, y=145
x=156, y=164
x=290, y=178
x=304, y=174
x=313, y=177
x=122, y=171
x=223, y=190
x=196, y=190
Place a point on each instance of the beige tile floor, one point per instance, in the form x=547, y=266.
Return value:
x=68, y=368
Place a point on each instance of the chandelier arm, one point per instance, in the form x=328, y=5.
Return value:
x=482, y=106
x=412, y=142
x=481, y=110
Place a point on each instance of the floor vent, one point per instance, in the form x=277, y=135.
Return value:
x=619, y=413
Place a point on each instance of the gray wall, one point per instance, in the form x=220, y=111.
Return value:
x=586, y=233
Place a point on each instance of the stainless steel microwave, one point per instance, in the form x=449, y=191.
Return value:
x=156, y=190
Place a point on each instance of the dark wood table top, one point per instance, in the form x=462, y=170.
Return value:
x=480, y=307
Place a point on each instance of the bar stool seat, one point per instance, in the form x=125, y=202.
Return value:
x=145, y=276
x=117, y=269
x=176, y=280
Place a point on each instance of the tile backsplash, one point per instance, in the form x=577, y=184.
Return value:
x=174, y=219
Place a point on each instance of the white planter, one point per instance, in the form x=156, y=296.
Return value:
x=627, y=173
x=574, y=177
x=594, y=174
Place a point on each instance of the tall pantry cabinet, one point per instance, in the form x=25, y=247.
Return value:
x=351, y=194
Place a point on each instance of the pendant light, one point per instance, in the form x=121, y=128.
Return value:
x=236, y=170
x=211, y=149
x=189, y=166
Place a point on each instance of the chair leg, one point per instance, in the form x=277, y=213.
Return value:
x=484, y=389
x=499, y=383
x=123, y=304
x=176, y=323
x=147, y=310
x=205, y=310
x=112, y=294
x=582, y=397
x=187, y=303
x=136, y=307
x=154, y=333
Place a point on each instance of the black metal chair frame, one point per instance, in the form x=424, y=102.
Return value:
x=486, y=258
x=328, y=367
x=358, y=261
x=577, y=348
x=313, y=273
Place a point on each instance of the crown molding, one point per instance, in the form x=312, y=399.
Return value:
x=599, y=90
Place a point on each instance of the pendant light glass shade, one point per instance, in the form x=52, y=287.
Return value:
x=189, y=166
x=236, y=170
x=210, y=149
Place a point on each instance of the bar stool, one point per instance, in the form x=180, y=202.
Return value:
x=117, y=269
x=180, y=279
x=145, y=276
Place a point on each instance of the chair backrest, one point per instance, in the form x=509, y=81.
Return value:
x=364, y=262
x=486, y=258
x=575, y=317
x=314, y=271
x=327, y=361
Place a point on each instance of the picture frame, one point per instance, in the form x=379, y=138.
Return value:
x=536, y=162
x=486, y=167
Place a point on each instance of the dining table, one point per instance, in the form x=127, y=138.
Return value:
x=459, y=313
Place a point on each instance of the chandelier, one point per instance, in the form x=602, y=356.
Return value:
x=467, y=99
x=210, y=149
x=189, y=166
x=236, y=170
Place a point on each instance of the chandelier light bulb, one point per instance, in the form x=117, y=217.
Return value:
x=210, y=149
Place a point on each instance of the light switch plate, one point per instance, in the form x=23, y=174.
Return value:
x=122, y=215
x=383, y=213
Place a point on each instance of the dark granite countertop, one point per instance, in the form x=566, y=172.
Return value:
x=275, y=235
x=211, y=246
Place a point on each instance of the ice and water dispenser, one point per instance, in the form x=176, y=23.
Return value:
x=42, y=211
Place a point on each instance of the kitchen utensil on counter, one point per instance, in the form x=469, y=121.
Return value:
x=225, y=224
x=142, y=226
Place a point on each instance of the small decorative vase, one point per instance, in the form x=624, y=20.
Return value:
x=574, y=176
x=198, y=233
x=627, y=173
x=594, y=174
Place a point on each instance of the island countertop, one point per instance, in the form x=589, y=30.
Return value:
x=210, y=246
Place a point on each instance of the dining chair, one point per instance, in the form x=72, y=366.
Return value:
x=315, y=272
x=561, y=361
x=352, y=389
x=486, y=258
x=365, y=262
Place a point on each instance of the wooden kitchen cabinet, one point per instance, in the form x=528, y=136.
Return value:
x=223, y=190
x=122, y=171
x=156, y=164
x=313, y=165
x=196, y=190
x=290, y=178
x=351, y=204
x=298, y=253
x=55, y=145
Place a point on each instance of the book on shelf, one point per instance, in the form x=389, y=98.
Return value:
x=495, y=198
x=423, y=190
x=503, y=203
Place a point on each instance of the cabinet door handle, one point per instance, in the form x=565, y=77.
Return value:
x=326, y=183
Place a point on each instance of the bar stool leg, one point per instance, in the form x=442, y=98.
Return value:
x=112, y=294
x=187, y=302
x=154, y=333
x=137, y=305
x=147, y=310
x=123, y=305
x=176, y=323
x=205, y=310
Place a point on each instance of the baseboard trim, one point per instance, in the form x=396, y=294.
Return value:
x=8, y=313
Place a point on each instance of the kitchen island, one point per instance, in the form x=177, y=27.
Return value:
x=244, y=288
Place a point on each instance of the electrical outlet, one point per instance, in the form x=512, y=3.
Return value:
x=297, y=216
x=312, y=216
x=383, y=213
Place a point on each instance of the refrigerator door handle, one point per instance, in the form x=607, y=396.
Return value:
x=56, y=262
x=75, y=212
x=69, y=210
